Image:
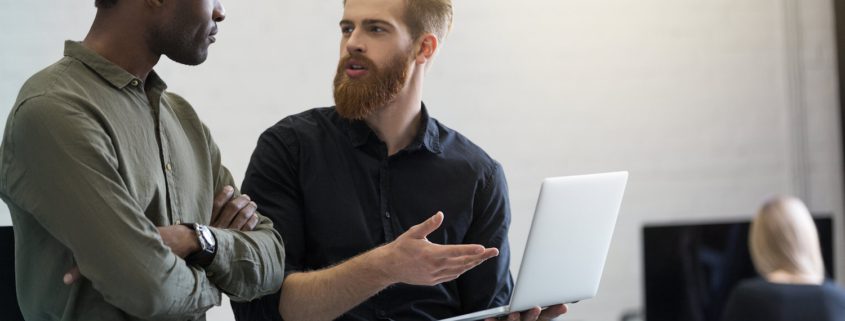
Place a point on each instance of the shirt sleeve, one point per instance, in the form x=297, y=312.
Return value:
x=272, y=181
x=490, y=284
x=248, y=264
x=64, y=170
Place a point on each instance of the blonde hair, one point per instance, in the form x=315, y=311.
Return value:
x=428, y=16
x=783, y=237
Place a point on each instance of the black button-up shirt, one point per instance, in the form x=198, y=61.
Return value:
x=333, y=193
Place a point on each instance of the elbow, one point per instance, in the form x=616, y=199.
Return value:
x=153, y=300
x=149, y=302
x=251, y=286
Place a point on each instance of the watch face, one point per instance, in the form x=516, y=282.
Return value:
x=206, y=234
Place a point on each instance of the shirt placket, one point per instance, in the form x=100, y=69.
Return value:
x=384, y=192
x=167, y=164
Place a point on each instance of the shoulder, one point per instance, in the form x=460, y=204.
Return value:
x=302, y=129
x=305, y=124
x=55, y=85
x=312, y=119
x=460, y=149
x=51, y=80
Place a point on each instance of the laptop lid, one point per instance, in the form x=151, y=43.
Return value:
x=569, y=239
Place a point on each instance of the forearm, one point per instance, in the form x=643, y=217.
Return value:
x=327, y=294
x=248, y=265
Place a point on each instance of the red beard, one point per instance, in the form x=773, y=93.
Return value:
x=358, y=98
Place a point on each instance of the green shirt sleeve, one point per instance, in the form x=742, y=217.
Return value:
x=64, y=171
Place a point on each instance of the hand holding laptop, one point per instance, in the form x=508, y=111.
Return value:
x=534, y=314
x=567, y=247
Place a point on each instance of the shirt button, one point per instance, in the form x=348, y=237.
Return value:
x=168, y=167
x=135, y=83
x=387, y=214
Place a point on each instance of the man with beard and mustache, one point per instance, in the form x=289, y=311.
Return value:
x=109, y=176
x=351, y=189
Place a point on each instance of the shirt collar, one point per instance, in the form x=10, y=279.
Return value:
x=114, y=74
x=428, y=136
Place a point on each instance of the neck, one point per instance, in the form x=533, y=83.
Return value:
x=118, y=38
x=784, y=277
x=399, y=122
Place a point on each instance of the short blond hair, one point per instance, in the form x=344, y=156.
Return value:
x=783, y=237
x=428, y=16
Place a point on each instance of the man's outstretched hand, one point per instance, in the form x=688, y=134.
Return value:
x=412, y=259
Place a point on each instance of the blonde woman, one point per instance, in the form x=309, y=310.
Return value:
x=784, y=247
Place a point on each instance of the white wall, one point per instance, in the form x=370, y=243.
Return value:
x=710, y=104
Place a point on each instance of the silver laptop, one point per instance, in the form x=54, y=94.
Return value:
x=567, y=244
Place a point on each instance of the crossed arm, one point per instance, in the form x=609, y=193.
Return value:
x=63, y=168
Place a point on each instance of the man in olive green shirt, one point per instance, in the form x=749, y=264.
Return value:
x=101, y=167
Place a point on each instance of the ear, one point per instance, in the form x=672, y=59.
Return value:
x=427, y=48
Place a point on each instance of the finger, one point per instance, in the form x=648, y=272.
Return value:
x=514, y=316
x=531, y=315
x=72, y=276
x=220, y=200
x=444, y=279
x=452, y=251
x=420, y=231
x=246, y=213
x=552, y=312
x=253, y=222
x=231, y=210
x=471, y=259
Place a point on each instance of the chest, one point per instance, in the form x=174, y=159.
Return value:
x=355, y=200
x=163, y=159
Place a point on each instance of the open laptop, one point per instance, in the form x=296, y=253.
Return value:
x=567, y=244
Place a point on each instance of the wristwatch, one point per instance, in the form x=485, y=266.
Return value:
x=208, y=246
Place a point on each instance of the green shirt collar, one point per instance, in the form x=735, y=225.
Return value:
x=114, y=74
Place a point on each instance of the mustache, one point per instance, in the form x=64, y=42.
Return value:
x=359, y=59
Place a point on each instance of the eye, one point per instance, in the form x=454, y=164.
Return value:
x=377, y=29
x=346, y=30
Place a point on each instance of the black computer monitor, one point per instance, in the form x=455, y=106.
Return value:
x=690, y=269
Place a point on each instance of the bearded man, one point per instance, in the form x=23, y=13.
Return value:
x=352, y=188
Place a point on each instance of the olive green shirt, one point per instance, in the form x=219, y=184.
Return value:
x=90, y=164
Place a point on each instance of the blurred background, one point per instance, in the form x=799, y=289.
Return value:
x=712, y=105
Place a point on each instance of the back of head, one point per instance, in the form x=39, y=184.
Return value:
x=783, y=237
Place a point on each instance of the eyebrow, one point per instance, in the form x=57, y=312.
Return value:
x=368, y=22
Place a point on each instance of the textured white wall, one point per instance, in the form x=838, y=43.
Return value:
x=711, y=105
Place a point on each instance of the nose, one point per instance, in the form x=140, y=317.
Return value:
x=219, y=13
x=355, y=44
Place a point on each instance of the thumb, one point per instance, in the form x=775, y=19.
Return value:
x=420, y=231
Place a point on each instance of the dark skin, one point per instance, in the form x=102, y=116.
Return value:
x=134, y=34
